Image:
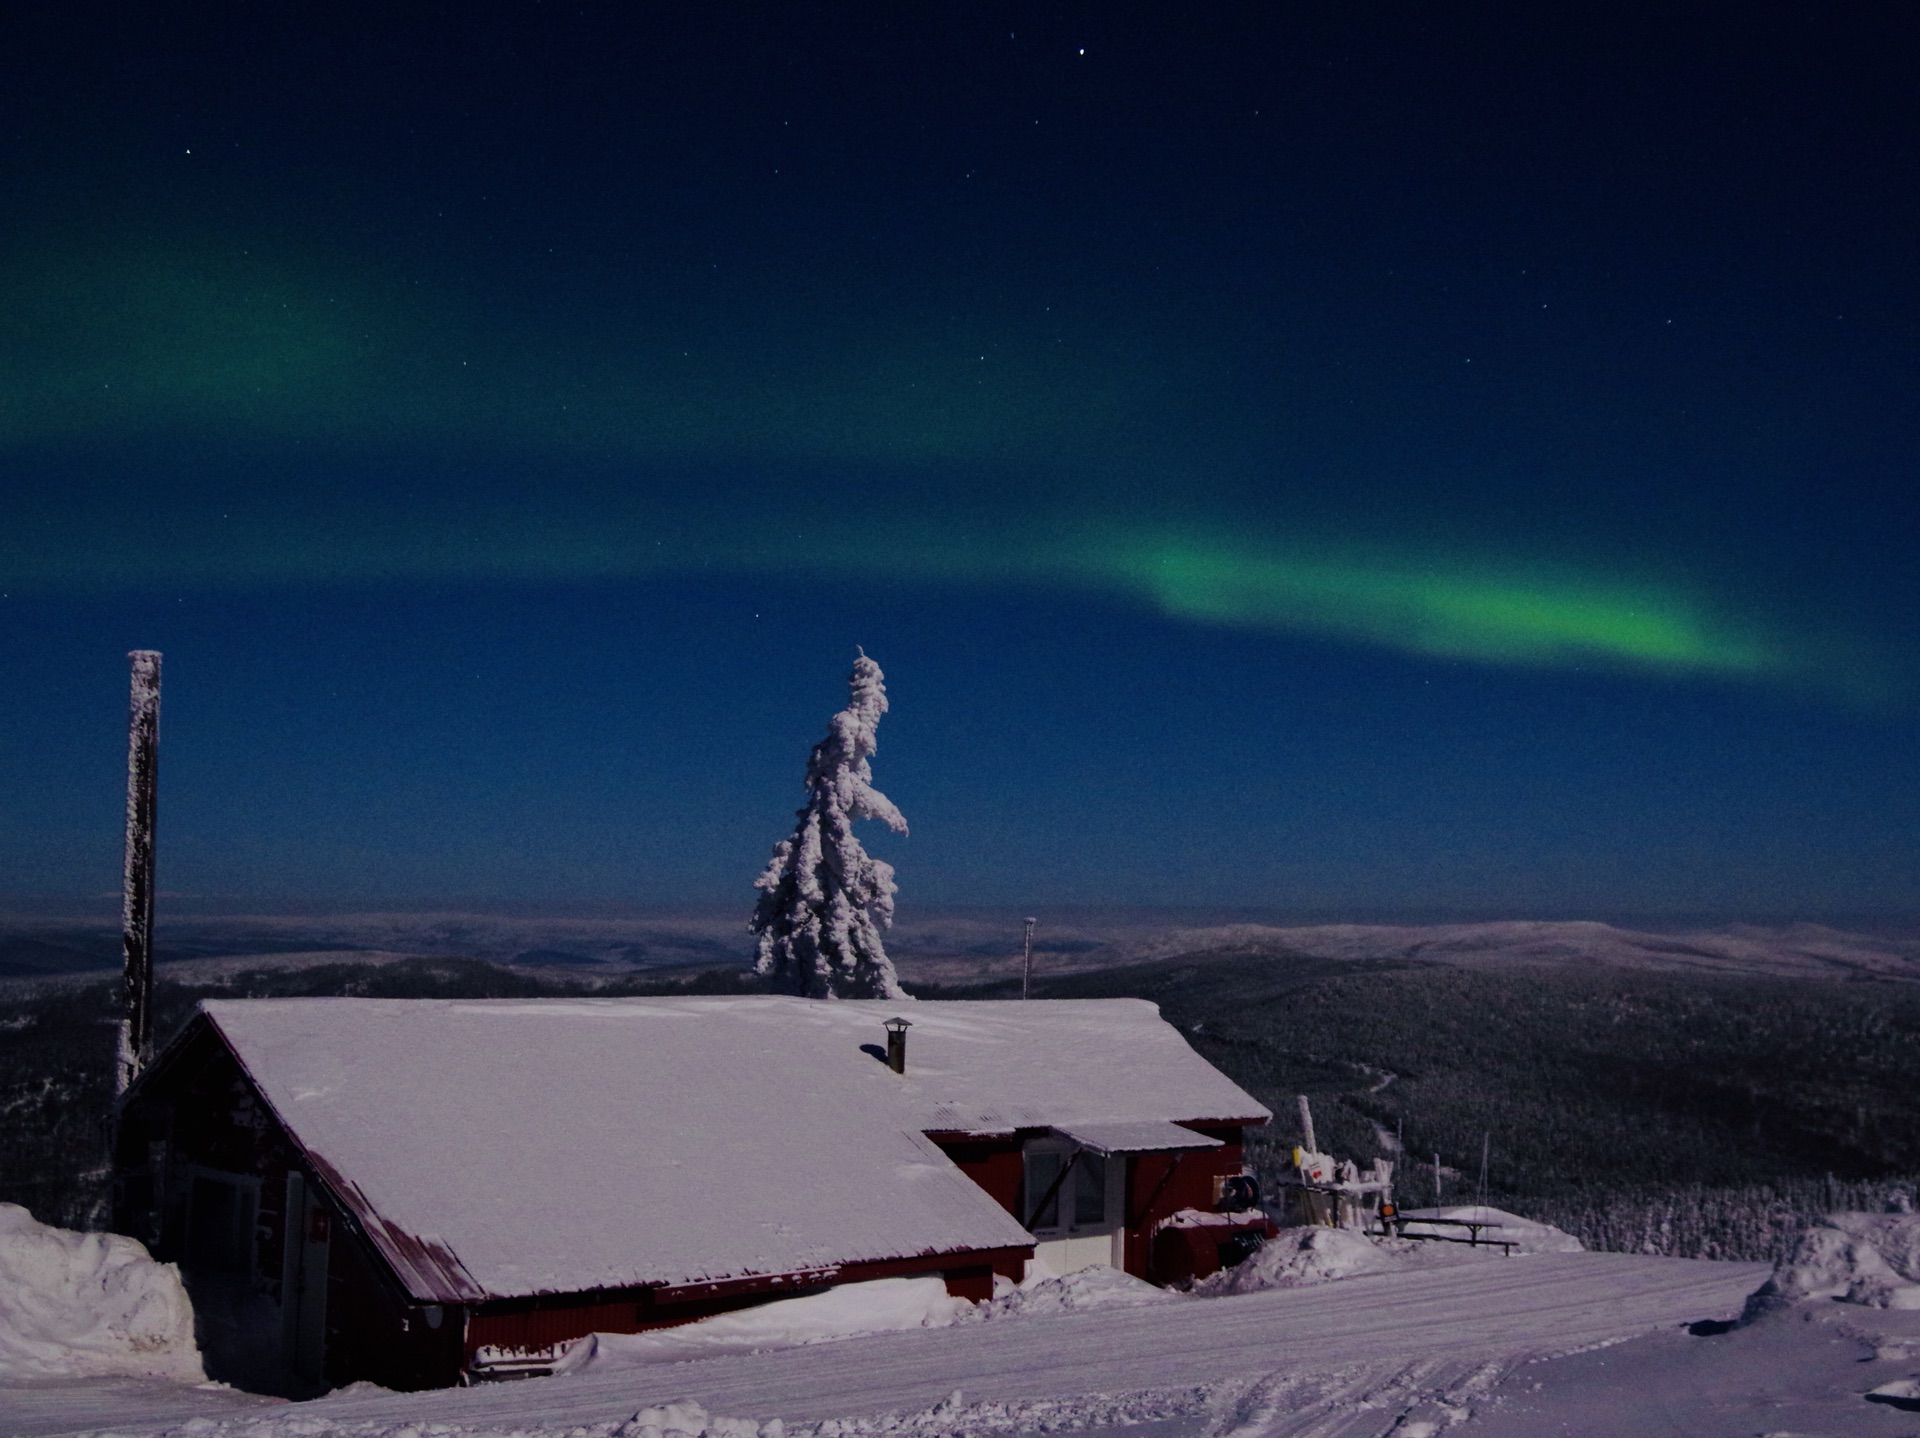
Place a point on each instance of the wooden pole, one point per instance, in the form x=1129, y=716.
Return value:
x=136, y=910
x=1026, y=961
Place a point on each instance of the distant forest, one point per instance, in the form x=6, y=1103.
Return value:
x=1693, y=1115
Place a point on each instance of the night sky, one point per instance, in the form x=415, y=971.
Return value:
x=1344, y=460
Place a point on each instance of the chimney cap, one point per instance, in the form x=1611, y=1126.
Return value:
x=896, y=1025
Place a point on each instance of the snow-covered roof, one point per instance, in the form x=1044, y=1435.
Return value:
x=499, y=1148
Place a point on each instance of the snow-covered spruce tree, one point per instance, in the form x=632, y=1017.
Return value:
x=823, y=898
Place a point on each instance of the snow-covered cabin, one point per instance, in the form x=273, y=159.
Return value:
x=396, y=1185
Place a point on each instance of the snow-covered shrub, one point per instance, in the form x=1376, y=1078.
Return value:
x=1866, y=1258
x=1750, y=1223
x=823, y=899
x=87, y=1304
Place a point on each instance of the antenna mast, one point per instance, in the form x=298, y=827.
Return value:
x=1026, y=960
x=136, y=909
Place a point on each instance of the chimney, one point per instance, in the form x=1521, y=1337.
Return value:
x=136, y=911
x=897, y=1044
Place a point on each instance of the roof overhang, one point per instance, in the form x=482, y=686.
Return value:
x=1139, y=1137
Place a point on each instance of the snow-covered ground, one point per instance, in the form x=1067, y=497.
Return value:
x=1482, y=1346
x=1322, y=1359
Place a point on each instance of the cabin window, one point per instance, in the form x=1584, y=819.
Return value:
x=1090, y=1191
x=1079, y=1203
x=1043, y=1172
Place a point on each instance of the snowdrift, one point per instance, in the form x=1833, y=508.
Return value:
x=1524, y=1234
x=884, y=1305
x=82, y=1305
x=1299, y=1256
x=1866, y=1258
x=1080, y=1290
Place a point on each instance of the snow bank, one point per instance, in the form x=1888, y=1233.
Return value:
x=1080, y=1290
x=952, y=1417
x=1526, y=1235
x=79, y=1305
x=1298, y=1256
x=884, y=1305
x=1866, y=1258
x=669, y=1420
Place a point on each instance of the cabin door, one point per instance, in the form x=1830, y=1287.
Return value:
x=303, y=1281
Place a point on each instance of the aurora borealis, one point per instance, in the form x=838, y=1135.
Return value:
x=1555, y=370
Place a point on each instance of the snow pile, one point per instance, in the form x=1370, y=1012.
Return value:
x=76, y=1305
x=670, y=1420
x=952, y=1417
x=690, y=1420
x=1524, y=1234
x=884, y=1305
x=1042, y=1293
x=1866, y=1258
x=1298, y=1256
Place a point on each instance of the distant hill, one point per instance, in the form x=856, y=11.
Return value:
x=949, y=952
x=27, y=957
x=949, y=947
x=1796, y=951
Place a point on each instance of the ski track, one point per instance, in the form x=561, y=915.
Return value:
x=1402, y=1352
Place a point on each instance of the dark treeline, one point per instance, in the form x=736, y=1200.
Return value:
x=1694, y=1115
x=1689, y=1114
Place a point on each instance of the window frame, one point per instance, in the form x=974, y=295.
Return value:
x=1067, y=1224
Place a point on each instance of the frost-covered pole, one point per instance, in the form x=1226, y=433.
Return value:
x=136, y=909
x=1306, y=1125
x=1026, y=960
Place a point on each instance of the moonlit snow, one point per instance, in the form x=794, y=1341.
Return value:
x=1523, y=1234
x=1488, y=1347
x=76, y=1305
x=853, y=1310
x=1872, y=1259
x=884, y=1305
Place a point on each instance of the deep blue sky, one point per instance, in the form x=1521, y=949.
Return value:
x=1349, y=460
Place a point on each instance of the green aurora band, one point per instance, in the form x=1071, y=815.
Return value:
x=213, y=347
